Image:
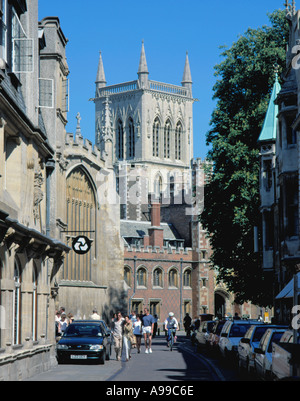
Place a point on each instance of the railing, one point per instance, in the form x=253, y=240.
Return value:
x=168, y=88
x=133, y=85
x=119, y=88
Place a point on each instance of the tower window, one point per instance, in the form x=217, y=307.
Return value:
x=178, y=134
x=155, y=144
x=120, y=141
x=131, y=139
x=167, y=139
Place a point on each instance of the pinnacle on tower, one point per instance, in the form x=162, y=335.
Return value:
x=100, y=79
x=143, y=68
x=187, y=77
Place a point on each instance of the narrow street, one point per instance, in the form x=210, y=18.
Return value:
x=182, y=364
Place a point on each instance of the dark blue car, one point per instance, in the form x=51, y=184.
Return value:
x=84, y=340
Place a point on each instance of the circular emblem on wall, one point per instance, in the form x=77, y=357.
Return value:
x=81, y=244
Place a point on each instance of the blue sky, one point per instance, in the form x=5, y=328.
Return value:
x=169, y=28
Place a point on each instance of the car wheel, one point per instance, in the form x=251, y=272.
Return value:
x=102, y=357
x=107, y=355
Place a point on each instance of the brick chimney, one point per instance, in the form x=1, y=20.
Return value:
x=156, y=233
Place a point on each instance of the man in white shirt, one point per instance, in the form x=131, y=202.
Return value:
x=170, y=323
x=95, y=315
x=118, y=324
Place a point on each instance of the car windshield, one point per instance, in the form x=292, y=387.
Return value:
x=210, y=326
x=259, y=332
x=238, y=330
x=219, y=327
x=83, y=330
x=275, y=339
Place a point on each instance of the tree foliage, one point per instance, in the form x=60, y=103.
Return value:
x=244, y=82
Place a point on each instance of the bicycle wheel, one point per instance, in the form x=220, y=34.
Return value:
x=172, y=341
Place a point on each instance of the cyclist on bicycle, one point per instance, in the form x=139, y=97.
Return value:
x=170, y=323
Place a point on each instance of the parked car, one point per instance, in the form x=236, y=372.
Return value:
x=263, y=353
x=286, y=358
x=203, y=333
x=84, y=340
x=232, y=332
x=248, y=343
x=214, y=336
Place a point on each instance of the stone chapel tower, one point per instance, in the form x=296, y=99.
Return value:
x=144, y=129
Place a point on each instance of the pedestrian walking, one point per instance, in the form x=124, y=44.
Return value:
x=63, y=322
x=148, y=326
x=127, y=337
x=137, y=331
x=95, y=315
x=187, y=324
x=117, y=331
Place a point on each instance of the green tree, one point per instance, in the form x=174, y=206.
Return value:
x=244, y=82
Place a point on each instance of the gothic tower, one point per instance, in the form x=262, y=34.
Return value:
x=144, y=129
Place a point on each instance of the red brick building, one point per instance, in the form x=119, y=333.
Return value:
x=161, y=273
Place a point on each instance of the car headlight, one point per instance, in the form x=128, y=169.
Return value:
x=61, y=346
x=96, y=347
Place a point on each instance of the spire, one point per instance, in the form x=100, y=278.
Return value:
x=143, y=68
x=187, y=77
x=100, y=79
x=268, y=132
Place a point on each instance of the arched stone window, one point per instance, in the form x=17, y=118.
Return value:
x=127, y=276
x=141, y=277
x=120, y=140
x=81, y=219
x=158, y=277
x=17, y=303
x=173, y=278
x=187, y=278
x=178, y=141
x=155, y=138
x=131, y=139
x=167, y=133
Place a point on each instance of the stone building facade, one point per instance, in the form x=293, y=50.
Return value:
x=49, y=193
x=279, y=184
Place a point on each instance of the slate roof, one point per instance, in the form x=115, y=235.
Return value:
x=137, y=229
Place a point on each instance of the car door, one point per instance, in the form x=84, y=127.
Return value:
x=259, y=356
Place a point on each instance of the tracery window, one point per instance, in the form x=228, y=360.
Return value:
x=127, y=276
x=178, y=140
x=158, y=277
x=120, y=141
x=131, y=139
x=155, y=138
x=167, y=131
x=173, y=278
x=142, y=277
x=81, y=219
x=187, y=278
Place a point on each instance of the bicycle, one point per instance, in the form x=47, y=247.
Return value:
x=171, y=342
